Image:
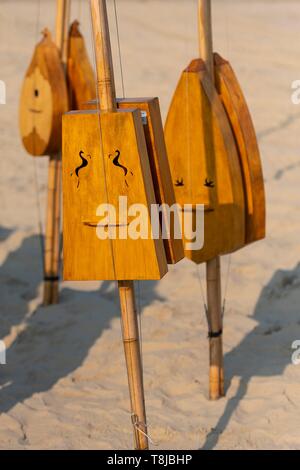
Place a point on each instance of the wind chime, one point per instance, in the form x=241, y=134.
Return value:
x=116, y=150
x=213, y=152
x=59, y=78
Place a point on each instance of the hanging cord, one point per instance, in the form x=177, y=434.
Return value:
x=227, y=280
x=137, y=425
x=35, y=165
x=139, y=312
x=119, y=48
x=202, y=291
x=226, y=285
x=39, y=213
x=79, y=9
x=102, y=148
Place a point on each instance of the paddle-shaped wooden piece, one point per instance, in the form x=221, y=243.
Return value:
x=80, y=74
x=44, y=99
x=240, y=119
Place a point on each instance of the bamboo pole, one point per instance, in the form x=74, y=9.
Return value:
x=133, y=361
x=52, y=233
x=213, y=267
x=107, y=100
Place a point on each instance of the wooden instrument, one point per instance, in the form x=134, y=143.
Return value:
x=44, y=99
x=217, y=145
x=80, y=74
x=108, y=153
x=203, y=155
x=159, y=166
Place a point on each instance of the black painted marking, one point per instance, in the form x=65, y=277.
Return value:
x=209, y=183
x=83, y=165
x=179, y=182
x=36, y=93
x=117, y=163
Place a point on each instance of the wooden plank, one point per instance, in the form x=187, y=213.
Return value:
x=240, y=119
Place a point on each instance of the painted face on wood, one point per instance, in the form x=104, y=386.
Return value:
x=43, y=100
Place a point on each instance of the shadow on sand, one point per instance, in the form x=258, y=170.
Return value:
x=56, y=339
x=278, y=325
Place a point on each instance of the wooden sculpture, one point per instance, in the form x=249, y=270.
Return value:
x=203, y=154
x=80, y=74
x=105, y=157
x=44, y=99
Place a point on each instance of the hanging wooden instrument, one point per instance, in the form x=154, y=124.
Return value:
x=132, y=162
x=80, y=74
x=240, y=119
x=105, y=157
x=159, y=165
x=44, y=99
x=203, y=156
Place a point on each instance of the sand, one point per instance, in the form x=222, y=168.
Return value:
x=64, y=385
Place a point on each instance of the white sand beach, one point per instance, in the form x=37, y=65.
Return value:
x=64, y=385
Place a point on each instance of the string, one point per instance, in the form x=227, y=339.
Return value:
x=226, y=284
x=139, y=312
x=36, y=180
x=136, y=423
x=202, y=289
x=79, y=9
x=101, y=145
x=119, y=48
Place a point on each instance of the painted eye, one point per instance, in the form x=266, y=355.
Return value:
x=36, y=93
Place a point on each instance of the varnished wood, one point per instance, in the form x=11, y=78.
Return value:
x=243, y=129
x=201, y=148
x=100, y=136
x=80, y=74
x=44, y=99
x=160, y=170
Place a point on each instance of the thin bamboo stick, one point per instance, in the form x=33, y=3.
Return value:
x=213, y=267
x=107, y=99
x=52, y=233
